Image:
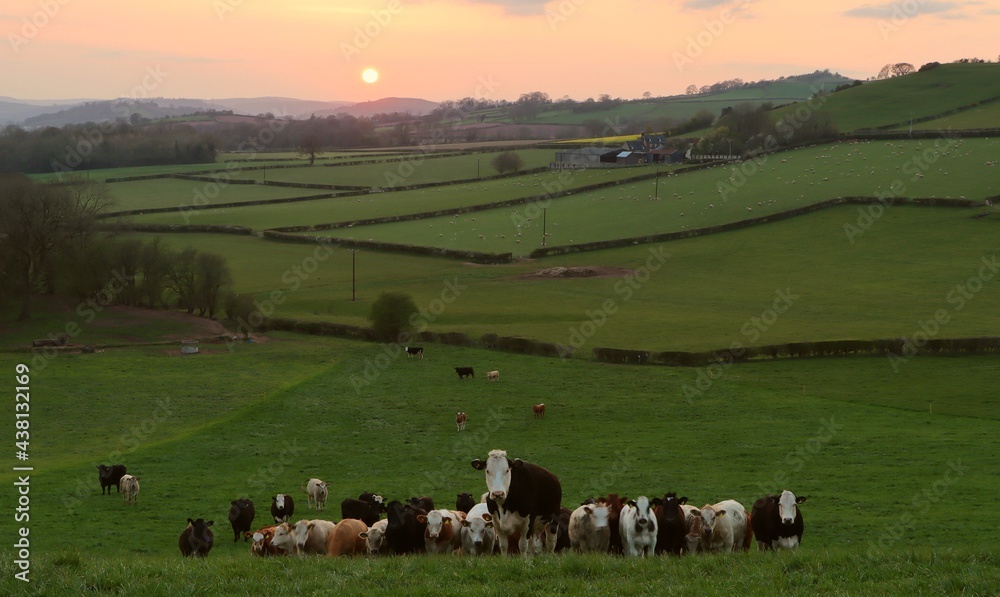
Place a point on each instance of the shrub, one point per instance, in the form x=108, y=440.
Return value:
x=390, y=315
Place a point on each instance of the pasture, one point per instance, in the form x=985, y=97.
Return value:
x=262, y=418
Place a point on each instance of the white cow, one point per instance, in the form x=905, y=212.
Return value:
x=638, y=528
x=375, y=538
x=589, y=529
x=725, y=526
x=311, y=535
x=129, y=486
x=478, y=536
x=693, y=526
x=316, y=492
x=493, y=376
x=284, y=538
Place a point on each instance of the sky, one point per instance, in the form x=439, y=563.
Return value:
x=450, y=49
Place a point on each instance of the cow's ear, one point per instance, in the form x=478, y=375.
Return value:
x=683, y=500
x=656, y=501
x=800, y=499
x=465, y=523
x=268, y=535
x=478, y=464
x=247, y=534
x=720, y=513
x=363, y=534
x=446, y=521
x=487, y=517
x=696, y=512
x=631, y=503
x=489, y=524
x=421, y=519
x=190, y=522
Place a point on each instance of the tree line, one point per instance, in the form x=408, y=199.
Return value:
x=51, y=242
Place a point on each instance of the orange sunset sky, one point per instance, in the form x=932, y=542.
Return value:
x=449, y=49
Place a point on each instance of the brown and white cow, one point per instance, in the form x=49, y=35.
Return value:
x=694, y=528
x=777, y=521
x=523, y=497
x=130, y=489
x=262, y=546
x=442, y=534
x=460, y=419
x=492, y=376
x=345, y=538
x=538, y=410
x=589, y=529
x=316, y=493
x=726, y=525
x=282, y=507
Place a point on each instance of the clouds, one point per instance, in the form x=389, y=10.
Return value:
x=909, y=8
x=520, y=7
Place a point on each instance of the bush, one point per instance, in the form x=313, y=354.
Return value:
x=507, y=161
x=390, y=315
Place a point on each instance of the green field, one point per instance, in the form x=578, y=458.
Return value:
x=986, y=116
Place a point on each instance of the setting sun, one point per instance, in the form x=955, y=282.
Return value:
x=370, y=75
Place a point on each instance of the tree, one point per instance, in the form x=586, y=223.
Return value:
x=507, y=161
x=311, y=146
x=391, y=315
x=692, y=89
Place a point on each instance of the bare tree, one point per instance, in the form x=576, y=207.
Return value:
x=311, y=146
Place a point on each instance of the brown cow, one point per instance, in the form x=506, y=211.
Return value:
x=262, y=546
x=460, y=419
x=539, y=410
x=345, y=539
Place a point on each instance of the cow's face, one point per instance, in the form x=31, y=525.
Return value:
x=279, y=501
x=284, y=537
x=435, y=523
x=599, y=514
x=498, y=470
x=103, y=471
x=301, y=533
x=475, y=528
x=788, y=507
x=709, y=516
x=201, y=534
x=672, y=507
x=643, y=513
x=260, y=541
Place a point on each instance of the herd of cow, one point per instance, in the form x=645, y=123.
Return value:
x=520, y=512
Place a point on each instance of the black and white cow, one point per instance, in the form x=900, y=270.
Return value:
x=777, y=521
x=522, y=498
x=282, y=508
x=415, y=351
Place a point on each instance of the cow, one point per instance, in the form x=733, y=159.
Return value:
x=282, y=508
x=442, y=534
x=588, y=528
x=373, y=498
x=425, y=503
x=316, y=493
x=478, y=535
x=414, y=351
x=375, y=538
x=403, y=532
x=694, y=527
x=110, y=475
x=241, y=515
x=492, y=376
x=345, y=539
x=367, y=512
x=615, y=505
x=196, y=539
x=521, y=495
x=638, y=528
x=464, y=502
x=671, y=527
x=262, y=546
x=464, y=372
x=284, y=538
x=538, y=410
x=557, y=532
x=726, y=525
x=777, y=521
x=130, y=489
x=460, y=419
x=311, y=535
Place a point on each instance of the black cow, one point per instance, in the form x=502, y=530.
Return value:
x=282, y=508
x=196, y=539
x=615, y=505
x=403, y=532
x=777, y=521
x=367, y=512
x=521, y=494
x=241, y=515
x=414, y=351
x=374, y=498
x=424, y=503
x=671, y=528
x=110, y=476
x=464, y=372
x=558, y=530
x=465, y=502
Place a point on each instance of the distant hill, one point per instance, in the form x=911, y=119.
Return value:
x=948, y=88
x=279, y=106
x=387, y=105
x=99, y=111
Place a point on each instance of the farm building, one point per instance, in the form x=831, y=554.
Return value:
x=584, y=157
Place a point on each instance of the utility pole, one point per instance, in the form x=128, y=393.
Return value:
x=354, y=254
x=656, y=185
x=544, y=210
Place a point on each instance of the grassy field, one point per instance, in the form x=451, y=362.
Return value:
x=171, y=192
x=893, y=101
x=986, y=116
x=263, y=417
